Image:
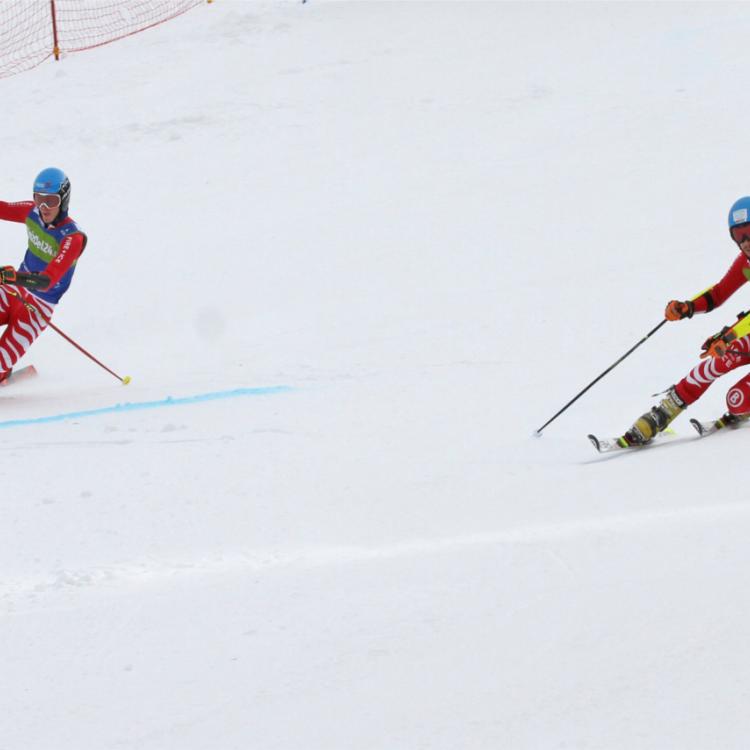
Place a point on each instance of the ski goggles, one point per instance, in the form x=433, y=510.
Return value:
x=740, y=233
x=50, y=200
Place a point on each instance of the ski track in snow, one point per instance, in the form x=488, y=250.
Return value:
x=161, y=572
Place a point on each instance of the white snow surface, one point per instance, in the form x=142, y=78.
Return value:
x=435, y=223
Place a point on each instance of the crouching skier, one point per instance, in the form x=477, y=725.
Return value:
x=28, y=296
x=723, y=352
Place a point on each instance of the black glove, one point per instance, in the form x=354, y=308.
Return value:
x=8, y=275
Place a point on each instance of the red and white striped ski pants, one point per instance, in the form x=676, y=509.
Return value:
x=24, y=322
x=700, y=378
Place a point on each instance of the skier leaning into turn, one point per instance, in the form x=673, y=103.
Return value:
x=727, y=350
x=55, y=242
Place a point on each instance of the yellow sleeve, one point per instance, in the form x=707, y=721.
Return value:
x=700, y=294
x=742, y=326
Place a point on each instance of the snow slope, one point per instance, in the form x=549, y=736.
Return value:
x=433, y=223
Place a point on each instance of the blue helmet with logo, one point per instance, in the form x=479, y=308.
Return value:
x=55, y=182
x=739, y=213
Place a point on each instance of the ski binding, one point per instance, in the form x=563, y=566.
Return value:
x=607, y=445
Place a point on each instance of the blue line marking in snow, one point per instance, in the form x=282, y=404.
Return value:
x=139, y=405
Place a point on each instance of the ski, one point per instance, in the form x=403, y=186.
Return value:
x=608, y=445
x=704, y=429
x=22, y=373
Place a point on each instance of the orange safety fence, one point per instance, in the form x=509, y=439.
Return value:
x=33, y=30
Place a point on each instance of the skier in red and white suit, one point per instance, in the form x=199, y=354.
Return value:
x=28, y=296
x=722, y=353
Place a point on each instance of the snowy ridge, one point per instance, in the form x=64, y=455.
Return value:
x=151, y=571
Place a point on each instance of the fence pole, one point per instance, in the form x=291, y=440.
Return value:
x=56, y=47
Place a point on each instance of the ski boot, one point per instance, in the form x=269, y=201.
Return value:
x=732, y=420
x=657, y=420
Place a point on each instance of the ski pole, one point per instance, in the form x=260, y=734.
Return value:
x=124, y=380
x=596, y=380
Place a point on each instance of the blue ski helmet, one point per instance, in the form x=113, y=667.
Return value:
x=55, y=182
x=739, y=213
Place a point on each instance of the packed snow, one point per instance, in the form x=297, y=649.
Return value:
x=432, y=224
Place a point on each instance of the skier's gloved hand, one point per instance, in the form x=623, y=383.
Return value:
x=718, y=344
x=7, y=275
x=678, y=310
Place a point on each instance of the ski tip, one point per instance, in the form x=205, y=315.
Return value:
x=595, y=442
x=21, y=373
x=698, y=426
